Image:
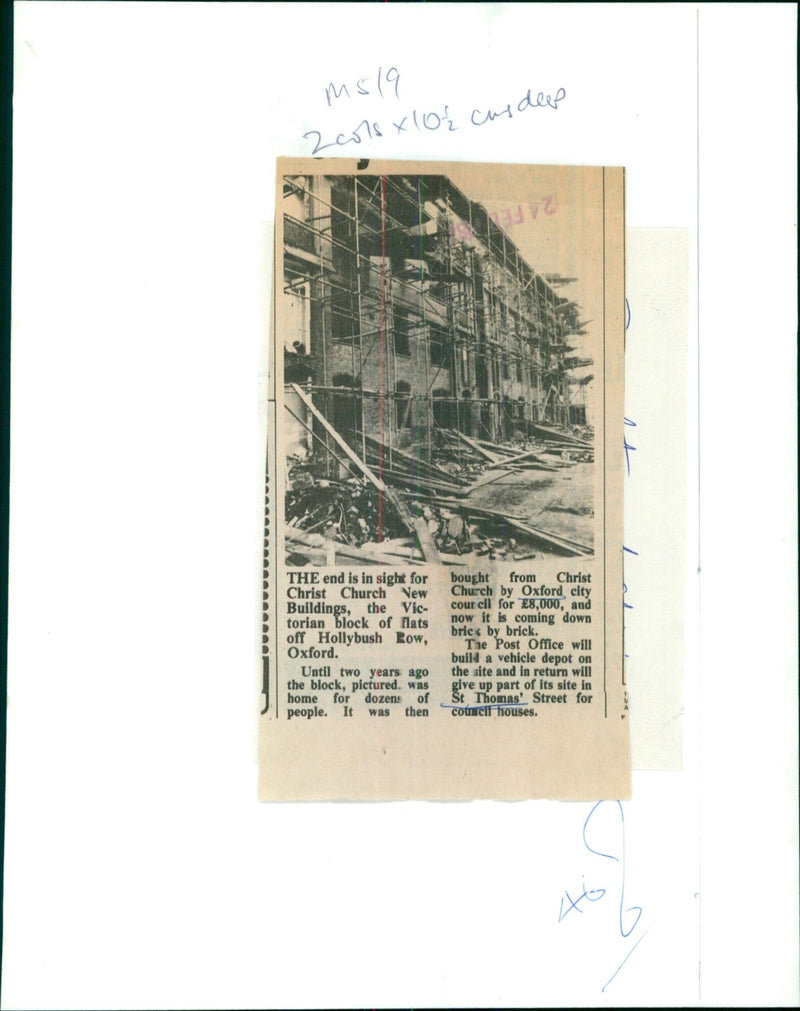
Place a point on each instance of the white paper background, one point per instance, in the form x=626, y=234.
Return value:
x=140, y=871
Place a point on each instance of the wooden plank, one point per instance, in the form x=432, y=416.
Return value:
x=426, y=543
x=315, y=544
x=449, y=559
x=559, y=451
x=409, y=552
x=515, y=459
x=413, y=556
x=417, y=465
x=447, y=433
x=493, y=457
x=311, y=431
x=571, y=547
x=534, y=465
x=495, y=447
x=560, y=448
x=396, y=542
x=490, y=478
x=467, y=452
x=422, y=482
x=554, y=434
x=349, y=453
x=319, y=544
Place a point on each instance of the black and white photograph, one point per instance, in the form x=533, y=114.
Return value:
x=439, y=372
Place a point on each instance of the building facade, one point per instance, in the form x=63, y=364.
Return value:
x=408, y=310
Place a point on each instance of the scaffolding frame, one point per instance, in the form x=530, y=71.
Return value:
x=383, y=272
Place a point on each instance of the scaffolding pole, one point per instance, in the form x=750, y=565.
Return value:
x=501, y=339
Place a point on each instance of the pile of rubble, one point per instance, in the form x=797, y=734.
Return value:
x=397, y=508
x=426, y=516
x=455, y=535
x=350, y=512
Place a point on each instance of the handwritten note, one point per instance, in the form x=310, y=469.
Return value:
x=439, y=117
x=627, y=551
x=604, y=840
x=653, y=442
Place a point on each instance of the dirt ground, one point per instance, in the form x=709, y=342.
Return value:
x=561, y=503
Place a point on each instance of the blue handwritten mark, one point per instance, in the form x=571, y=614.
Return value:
x=592, y=894
x=525, y=103
x=392, y=78
x=423, y=121
x=590, y=829
x=494, y=705
x=604, y=837
x=541, y=598
x=644, y=935
x=628, y=447
x=489, y=116
x=355, y=137
x=430, y=121
x=627, y=314
x=370, y=129
x=625, y=605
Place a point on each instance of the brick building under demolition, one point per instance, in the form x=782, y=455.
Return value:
x=408, y=310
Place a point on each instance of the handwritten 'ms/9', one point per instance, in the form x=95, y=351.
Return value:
x=390, y=80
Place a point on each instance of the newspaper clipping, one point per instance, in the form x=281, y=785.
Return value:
x=443, y=552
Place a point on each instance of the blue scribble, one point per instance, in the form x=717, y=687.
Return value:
x=619, y=858
x=592, y=894
x=541, y=598
x=628, y=447
x=644, y=935
x=493, y=705
x=605, y=838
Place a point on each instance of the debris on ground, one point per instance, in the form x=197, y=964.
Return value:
x=402, y=507
x=350, y=512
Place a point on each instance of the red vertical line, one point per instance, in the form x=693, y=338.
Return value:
x=423, y=404
x=382, y=354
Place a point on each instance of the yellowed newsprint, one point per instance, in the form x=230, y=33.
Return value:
x=443, y=559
